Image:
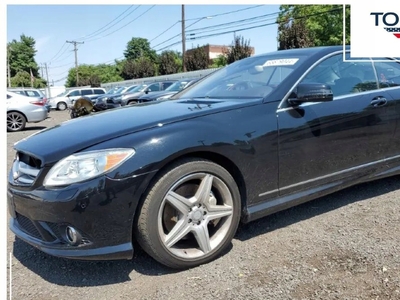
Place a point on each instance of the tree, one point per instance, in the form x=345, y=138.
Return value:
x=139, y=47
x=21, y=55
x=197, y=59
x=140, y=68
x=323, y=24
x=294, y=34
x=169, y=63
x=144, y=67
x=239, y=49
x=219, y=62
x=93, y=75
x=128, y=69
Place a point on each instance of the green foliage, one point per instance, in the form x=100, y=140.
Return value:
x=139, y=47
x=21, y=58
x=320, y=25
x=93, y=75
x=140, y=68
x=294, y=34
x=23, y=79
x=196, y=59
x=169, y=63
x=239, y=49
x=220, y=61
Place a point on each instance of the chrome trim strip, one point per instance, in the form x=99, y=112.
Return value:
x=331, y=175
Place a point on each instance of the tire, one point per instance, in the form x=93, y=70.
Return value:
x=15, y=121
x=61, y=106
x=132, y=102
x=198, y=235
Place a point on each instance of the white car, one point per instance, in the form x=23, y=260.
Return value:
x=22, y=110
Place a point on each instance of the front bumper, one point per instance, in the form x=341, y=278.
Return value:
x=101, y=211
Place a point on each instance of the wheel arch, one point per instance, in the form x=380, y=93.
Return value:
x=20, y=112
x=214, y=157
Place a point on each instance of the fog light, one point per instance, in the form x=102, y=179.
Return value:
x=72, y=235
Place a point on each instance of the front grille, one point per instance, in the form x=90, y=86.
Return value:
x=25, y=169
x=28, y=226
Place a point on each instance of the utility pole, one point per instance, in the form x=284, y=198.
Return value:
x=183, y=40
x=76, y=59
x=41, y=69
x=8, y=65
x=48, y=83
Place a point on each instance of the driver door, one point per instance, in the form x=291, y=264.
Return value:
x=321, y=144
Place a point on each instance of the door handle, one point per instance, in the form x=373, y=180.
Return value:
x=378, y=101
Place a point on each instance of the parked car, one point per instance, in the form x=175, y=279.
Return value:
x=258, y=136
x=113, y=99
x=67, y=98
x=31, y=92
x=23, y=109
x=135, y=94
x=168, y=92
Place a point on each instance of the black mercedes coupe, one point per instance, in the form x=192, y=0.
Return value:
x=178, y=175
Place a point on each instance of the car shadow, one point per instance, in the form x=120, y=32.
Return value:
x=30, y=128
x=67, y=272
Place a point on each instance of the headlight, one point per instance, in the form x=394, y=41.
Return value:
x=87, y=165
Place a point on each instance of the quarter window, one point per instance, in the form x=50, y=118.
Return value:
x=388, y=72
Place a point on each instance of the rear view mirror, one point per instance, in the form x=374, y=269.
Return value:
x=311, y=92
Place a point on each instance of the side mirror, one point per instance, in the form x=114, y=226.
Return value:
x=310, y=92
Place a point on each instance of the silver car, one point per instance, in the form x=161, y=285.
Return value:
x=22, y=110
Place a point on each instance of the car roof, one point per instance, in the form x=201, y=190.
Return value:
x=306, y=51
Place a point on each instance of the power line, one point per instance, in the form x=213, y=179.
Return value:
x=94, y=33
x=248, y=28
x=229, y=12
x=177, y=22
x=63, y=45
x=90, y=40
x=236, y=22
x=204, y=17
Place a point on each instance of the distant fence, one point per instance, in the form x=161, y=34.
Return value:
x=185, y=75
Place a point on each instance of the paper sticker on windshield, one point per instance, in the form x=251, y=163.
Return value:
x=280, y=62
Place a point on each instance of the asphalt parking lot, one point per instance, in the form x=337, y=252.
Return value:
x=343, y=246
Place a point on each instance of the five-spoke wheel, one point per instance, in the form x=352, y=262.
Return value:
x=190, y=215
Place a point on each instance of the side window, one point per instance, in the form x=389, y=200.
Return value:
x=20, y=92
x=388, y=73
x=74, y=93
x=155, y=87
x=166, y=85
x=98, y=91
x=33, y=94
x=344, y=77
x=87, y=92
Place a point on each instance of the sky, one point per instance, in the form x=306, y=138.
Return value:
x=105, y=30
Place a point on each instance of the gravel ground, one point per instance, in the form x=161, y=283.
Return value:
x=343, y=246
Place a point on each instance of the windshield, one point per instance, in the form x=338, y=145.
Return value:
x=115, y=90
x=253, y=77
x=176, y=86
x=62, y=94
x=138, y=88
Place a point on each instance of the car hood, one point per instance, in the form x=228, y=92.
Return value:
x=135, y=94
x=109, y=95
x=55, y=143
x=155, y=95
